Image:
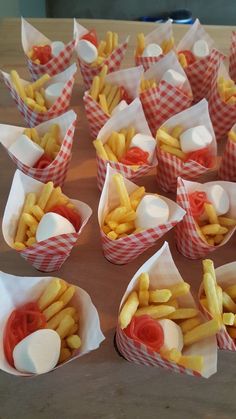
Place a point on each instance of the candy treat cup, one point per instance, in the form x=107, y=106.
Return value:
x=163, y=273
x=129, y=79
x=132, y=115
x=161, y=102
x=113, y=61
x=47, y=255
x=30, y=37
x=57, y=169
x=61, y=104
x=16, y=291
x=188, y=241
x=227, y=169
x=170, y=166
x=161, y=34
x=203, y=70
x=126, y=249
x=232, y=57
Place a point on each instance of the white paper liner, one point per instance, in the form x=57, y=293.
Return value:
x=195, y=33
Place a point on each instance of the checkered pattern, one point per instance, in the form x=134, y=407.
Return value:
x=55, y=65
x=146, y=62
x=139, y=353
x=113, y=62
x=227, y=169
x=162, y=102
x=95, y=115
x=232, y=57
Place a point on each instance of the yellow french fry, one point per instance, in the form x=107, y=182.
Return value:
x=41, y=81
x=53, y=199
x=179, y=289
x=189, y=324
x=29, y=219
x=202, y=331
x=19, y=246
x=227, y=222
x=193, y=362
x=73, y=341
x=140, y=44
x=67, y=295
x=39, y=108
x=156, y=312
x=176, y=131
x=50, y=146
x=211, y=229
x=65, y=325
x=223, y=230
x=112, y=235
x=138, y=193
x=29, y=91
x=228, y=303
x=122, y=191
x=167, y=139
x=108, y=48
x=94, y=91
x=115, y=100
x=183, y=313
x=37, y=212
x=219, y=293
x=110, y=154
x=173, y=302
x=50, y=294
x=143, y=281
x=182, y=60
x=114, y=40
x=116, y=214
x=208, y=267
x=30, y=241
x=33, y=228
x=125, y=228
x=112, y=224
x=18, y=84
x=55, y=320
x=55, y=131
x=106, y=229
x=45, y=195
x=100, y=149
x=102, y=76
x=159, y=296
x=209, y=285
x=53, y=309
x=101, y=47
x=218, y=238
x=111, y=95
x=64, y=286
x=106, y=89
x=129, y=136
x=204, y=303
x=64, y=355
x=172, y=150
x=128, y=310
x=211, y=213
x=120, y=146
x=39, y=99
x=103, y=103
x=129, y=216
x=231, y=291
x=228, y=319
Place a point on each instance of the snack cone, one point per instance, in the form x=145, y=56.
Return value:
x=227, y=169
x=202, y=71
x=113, y=61
x=161, y=102
x=126, y=249
x=232, y=57
x=47, y=255
x=134, y=116
x=164, y=273
x=30, y=36
x=56, y=171
x=18, y=290
x=188, y=241
x=170, y=166
x=129, y=79
x=162, y=33
x=33, y=118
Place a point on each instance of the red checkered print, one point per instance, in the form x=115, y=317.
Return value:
x=227, y=169
x=55, y=65
x=95, y=115
x=140, y=354
x=232, y=57
x=146, y=62
x=162, y=102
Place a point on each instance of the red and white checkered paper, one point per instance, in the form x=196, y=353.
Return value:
x=30, y=36
x=227, y=169
x=33, y=118
x=232, y=57
x=161, y=102
x=126, y=249
x=128, y=78
x=223, y=115
x=56, y=171
x=47, y=255
x=132, y=115
x=188, y=241
x=163, y=32
x=164, y=273
x=113, y=61
x=170, y=166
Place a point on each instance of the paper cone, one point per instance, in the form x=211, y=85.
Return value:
x=188, y=240
x=47, y=255
x=164, y=273
x=161, y=102
x=30, y=36
x=56, y=171
x=129, y=79
x=232, y=57
x=169, y=166
x=162, y=33
x=16, y=291
x=227, y=169
x=128, y=248
x=134, y=116
x=33, y=118
x=113, y=61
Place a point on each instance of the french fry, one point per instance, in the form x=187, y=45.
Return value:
x=120, y=146
x=109, y=43
x=18, y=84
x=227, y=222
x=65, y=325
x=67, y=295
x=231, y=291
x=94, y=91
x=176, y=131
x=37, y=212
x=41, y=81
x=156, y=312
x=29, y=219
x=112, y=235
x=56, y=320
x=219, y=293
x=115, y=100
x=183, y=313
x=167, y=139
x=173, y=355
x=218, y=238
x=50, y=294
x=35, y=136
x=140, y=44
x=128, y=310
x=228, y=319
x=160, y=296
x=193, y=362
x=103, y=103
x=53, y=309
x=64, y=355
x=189, y=324
x=211, y=213
x=30, y=241
x=111, y=156
x=64, y=286
x=73, y=342
x=179, y=289
x=228, y=303
x=209, y=285
x=116, y=214
x=100, y=149
x=19, y=246
x=172, y=150
x=122, y=191
x=114, y=41
x=129, y=136
x=182, y=60
x=208, y=267
x=101, y=47
x=211, y=229
x=53, y=199
x=143, y=293
x=203, y=331
x=124, y=228
x=111, y=95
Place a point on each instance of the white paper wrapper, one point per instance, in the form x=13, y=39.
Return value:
x=195, y=33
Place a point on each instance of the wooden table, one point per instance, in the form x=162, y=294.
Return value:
x=102, y=385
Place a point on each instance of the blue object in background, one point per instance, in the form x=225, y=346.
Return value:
x=182, y=16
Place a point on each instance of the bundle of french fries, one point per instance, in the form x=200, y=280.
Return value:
x=164, y=303
x=169, y=141
x=166, y=45
x=50, y=141
x=227, y=90
x=106, y=47
x=147, y=84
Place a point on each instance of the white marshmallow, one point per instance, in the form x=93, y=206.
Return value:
x=87, y=51
x=173, y=336
x=146, y=143
x=37, y=353
x=152, y=50
x=174, y=78
x=200, y=49
x=26, y=150
x=51, y=225
x=218, y=197
x=195, y=138
x=53, y=92
x=151, y=212
x=120, y=107
x=57, y=47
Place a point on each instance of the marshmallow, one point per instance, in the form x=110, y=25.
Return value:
x=174, y=78
x=26, y=150
x=87, y=51
x=195, y=139
x=151, y=212
x=53, y=92
x=218, y=197
x=37, y=353
x=120, y=107
x=51, y=225
x=146, y=143
x=152, y=50
x=173, y=336
x=200, y=49
x=57, y=47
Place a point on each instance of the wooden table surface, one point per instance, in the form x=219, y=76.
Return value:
x=102, y=385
